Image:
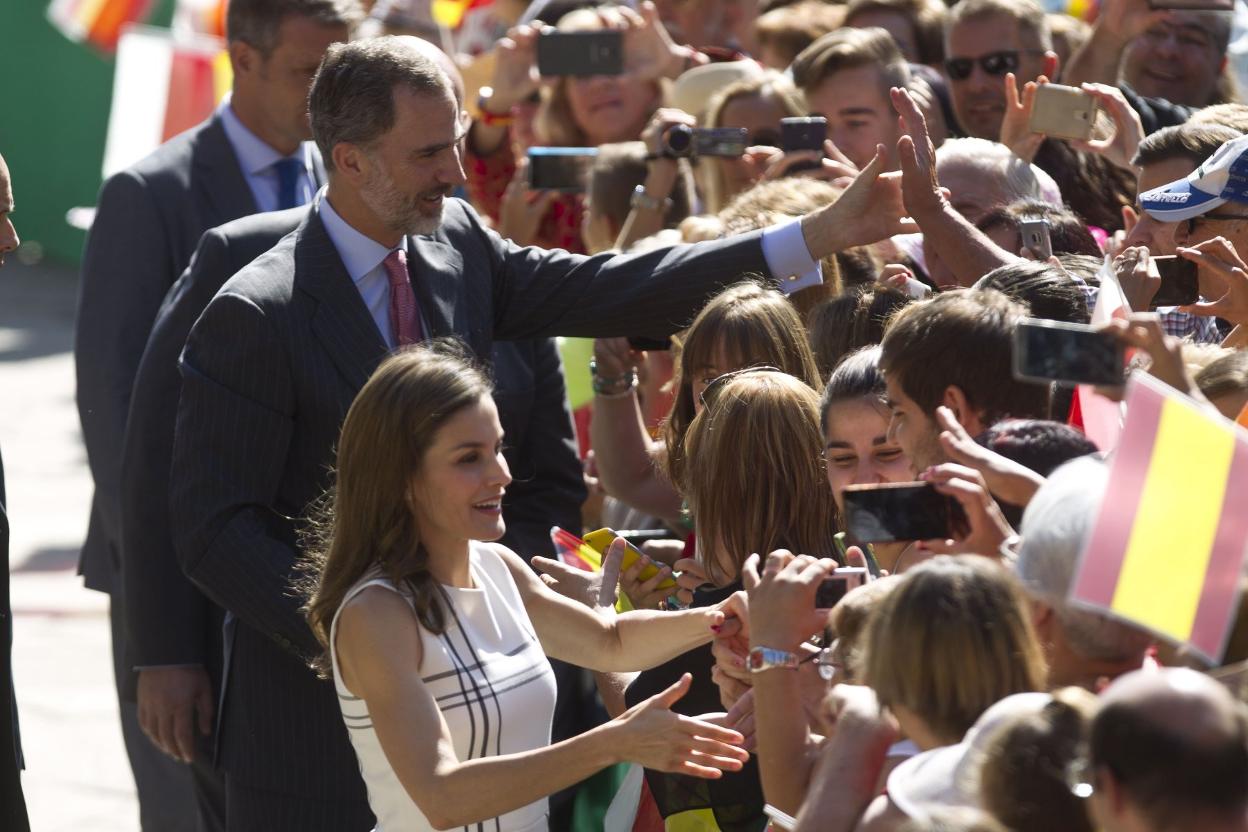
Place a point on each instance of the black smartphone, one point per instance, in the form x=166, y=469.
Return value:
x=901, y=511
x=683, y=141
x=580, y=54
x=1179, y=286
x=564, y=169
x=1035, y=235
x=1194, y=5
x=834, y=588
x=646, y=344
x=806, y=133
x=1047, y=351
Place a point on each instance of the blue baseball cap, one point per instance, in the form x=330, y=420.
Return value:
x=1222, y=178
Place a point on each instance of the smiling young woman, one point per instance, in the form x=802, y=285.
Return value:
x=437, y=639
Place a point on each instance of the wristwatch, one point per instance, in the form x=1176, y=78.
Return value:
x=645, y=202
x=765, y=658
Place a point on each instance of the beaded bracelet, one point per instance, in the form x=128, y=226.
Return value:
x=609, y=386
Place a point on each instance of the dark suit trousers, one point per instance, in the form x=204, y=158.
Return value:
x=173, y=797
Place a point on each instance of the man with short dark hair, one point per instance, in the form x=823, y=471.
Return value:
x=954, y=350
x=270, y=368
x=250, y=156
x=846, y=76
x=1168, y=752
x=12, y=803
x=1171, y=56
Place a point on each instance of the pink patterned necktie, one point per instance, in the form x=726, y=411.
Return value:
x=404, y=316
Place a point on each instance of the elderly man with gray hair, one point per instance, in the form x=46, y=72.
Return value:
x=1083, y=647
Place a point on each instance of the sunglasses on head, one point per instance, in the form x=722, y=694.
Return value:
x=994, y=63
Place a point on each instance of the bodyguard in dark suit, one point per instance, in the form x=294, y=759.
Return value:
x=273, y=364
x=167, y=617
x=250, y=156
x=12, y=803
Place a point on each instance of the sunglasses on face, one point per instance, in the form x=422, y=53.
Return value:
x=994, y=63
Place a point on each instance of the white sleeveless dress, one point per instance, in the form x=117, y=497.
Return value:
x=491, y=680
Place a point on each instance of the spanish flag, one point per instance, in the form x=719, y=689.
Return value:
x=97, y=22
x=575, y=552
x=1168, y=546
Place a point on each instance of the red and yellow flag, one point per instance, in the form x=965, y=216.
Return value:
x=97, y=22
x=575, y=552
x=1169, y=543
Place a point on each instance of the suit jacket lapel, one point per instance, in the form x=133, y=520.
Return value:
x=437, y=273
x=220, y=178
x=341, y=320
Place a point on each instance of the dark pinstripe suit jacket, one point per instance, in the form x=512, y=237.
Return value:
x=148, y=220
x=269, y=371
x=169, y=621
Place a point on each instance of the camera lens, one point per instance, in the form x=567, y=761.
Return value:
x=679, y=140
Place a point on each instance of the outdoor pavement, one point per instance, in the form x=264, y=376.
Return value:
x=77, y=777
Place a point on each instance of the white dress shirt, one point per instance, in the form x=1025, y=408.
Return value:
x=257, y=159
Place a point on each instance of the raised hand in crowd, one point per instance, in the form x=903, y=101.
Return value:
x=649, y=51
x=1139, y=282
x=965, y=250
x=1118, y=23
x=782, y=617
x=1143, y=331
x=522, y=208
x=514, y=80
x=1119, y=148
x=1219, y=259
x=986, y=528
x=1004, y=478
x=1016, y=133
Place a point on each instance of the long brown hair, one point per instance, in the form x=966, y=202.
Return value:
x=745, y=325
x=366, y=520
x=755, y=479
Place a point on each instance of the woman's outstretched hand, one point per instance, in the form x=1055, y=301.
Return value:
x=650, y=735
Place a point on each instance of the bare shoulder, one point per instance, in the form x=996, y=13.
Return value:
x=521, y=572
x=377, y=632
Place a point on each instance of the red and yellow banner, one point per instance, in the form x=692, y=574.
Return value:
x=97, y=22
x=1169, y=543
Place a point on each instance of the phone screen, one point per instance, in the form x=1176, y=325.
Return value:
x=1179, y=285
x=1049, y=351
x=580, y=54
x=904, y=511
x=564, y=169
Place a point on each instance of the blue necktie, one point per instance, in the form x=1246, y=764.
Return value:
x=288, y=171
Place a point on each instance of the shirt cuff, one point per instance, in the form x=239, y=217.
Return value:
x=788, y=259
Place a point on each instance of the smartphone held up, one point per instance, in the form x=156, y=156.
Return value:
x=1047, y=351
x=901, y=512
x=579, y=54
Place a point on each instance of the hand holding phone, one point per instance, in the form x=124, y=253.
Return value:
x=1046, y=351
x=1063, y=112
x=580, y=54
x=602, y=539
x=901, y=512
x=838, y=584
x=562, y=169
x=1035, y=236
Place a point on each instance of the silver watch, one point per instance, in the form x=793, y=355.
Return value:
x=645, y=202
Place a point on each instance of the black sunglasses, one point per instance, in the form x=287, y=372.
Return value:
x=994, y=63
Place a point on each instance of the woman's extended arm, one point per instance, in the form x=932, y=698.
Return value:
x=635, y=640
x=379, y=652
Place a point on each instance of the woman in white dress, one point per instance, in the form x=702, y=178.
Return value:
x=438, y=642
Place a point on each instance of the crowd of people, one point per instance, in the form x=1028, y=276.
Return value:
x=323, y=349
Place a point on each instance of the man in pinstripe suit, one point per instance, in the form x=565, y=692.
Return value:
x=273, y=364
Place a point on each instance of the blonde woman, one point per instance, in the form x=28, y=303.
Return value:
x=437, y=639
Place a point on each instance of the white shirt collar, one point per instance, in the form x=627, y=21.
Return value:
x=360, y=253
x=254, y=155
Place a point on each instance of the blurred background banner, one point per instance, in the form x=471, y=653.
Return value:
x=97, y=22
x=165, y=81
